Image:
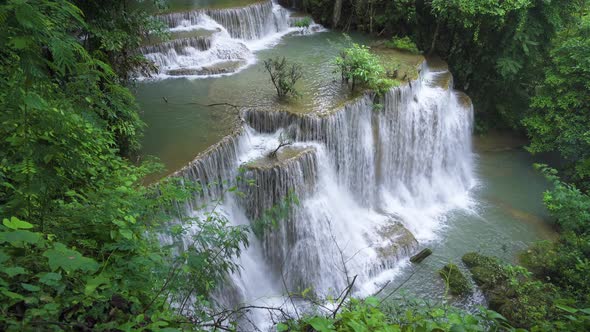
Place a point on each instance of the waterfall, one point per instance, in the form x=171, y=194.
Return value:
x=210, y=42
x=372, y=183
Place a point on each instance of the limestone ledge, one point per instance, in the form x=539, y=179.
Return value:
x=284, y=156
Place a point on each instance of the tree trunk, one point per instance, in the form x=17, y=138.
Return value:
x=434, y=38
x=337, y=13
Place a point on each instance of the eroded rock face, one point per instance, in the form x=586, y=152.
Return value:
x=268, y=183
x=392, y=243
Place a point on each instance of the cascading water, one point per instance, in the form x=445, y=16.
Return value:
x=212, y=42
x=371, y=183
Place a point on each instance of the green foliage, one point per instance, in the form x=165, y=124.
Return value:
x=270, y=218
x=565, y=263
x=454, y=279
x=404, y=44
x=115, y=29
x=88, y=256
x=303, y=23
x=396, y=316
x=559, y=120
x=360, y=67
x=284, y=76
x=512, y=292
x=497, y=49
x=567, y=204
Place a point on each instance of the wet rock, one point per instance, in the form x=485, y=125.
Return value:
x=397, y=241
x=225, y=67
x=283, y=157
x=392, y=242
x=455, y=280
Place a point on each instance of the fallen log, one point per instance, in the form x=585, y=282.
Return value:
x=419, y=257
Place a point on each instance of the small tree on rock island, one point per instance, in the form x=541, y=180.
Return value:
x=284, y=140
x=359, y=66
x=283, y=76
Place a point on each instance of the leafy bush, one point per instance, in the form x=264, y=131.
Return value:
x=303, y=23
x=403, y=44
x=512, y=292
x=407, y=315
x=359, y=66
x=283, y=76
x=565, y=263
x=569, y=206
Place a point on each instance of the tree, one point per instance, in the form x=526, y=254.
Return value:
x=284, y=76
x=284, y=140
x=359, y=67
x=560, y=116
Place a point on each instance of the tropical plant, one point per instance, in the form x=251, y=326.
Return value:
x=284, y=76
x=404, y=44
x=359, y=67
x=303, y=23
x=559, y=120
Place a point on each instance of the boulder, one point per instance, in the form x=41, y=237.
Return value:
x=455, y=280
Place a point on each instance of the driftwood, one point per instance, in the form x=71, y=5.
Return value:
x=419, y=257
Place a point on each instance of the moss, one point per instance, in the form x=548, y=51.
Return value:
x=486, y=271
x=457, y=283
x=511, y=291
x=398, y=65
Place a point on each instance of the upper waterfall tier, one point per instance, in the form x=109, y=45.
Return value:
x=225, y=38
x=251, y=22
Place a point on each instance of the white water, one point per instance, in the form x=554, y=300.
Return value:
x=227, y=39
x=411, y=162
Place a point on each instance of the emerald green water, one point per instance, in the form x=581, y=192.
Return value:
x=184, y=126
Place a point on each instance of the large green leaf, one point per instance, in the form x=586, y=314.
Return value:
x=20, y=237
x=49, y=278
x=321, y=324
x=94, y=283
x=69, y=260
x=14, y=271
x=15, y=223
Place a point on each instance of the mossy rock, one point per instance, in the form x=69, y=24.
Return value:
x=486, y=271
x=511, y=292
x=458, y=284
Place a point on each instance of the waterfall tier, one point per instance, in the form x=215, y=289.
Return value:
x=224, y=36
x=372, y=182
